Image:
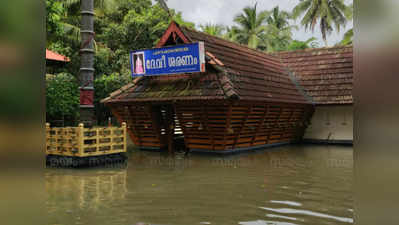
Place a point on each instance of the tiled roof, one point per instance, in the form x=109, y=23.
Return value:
x=50, y=55
x=254, y=74
x=233, y=71
x=326, y=74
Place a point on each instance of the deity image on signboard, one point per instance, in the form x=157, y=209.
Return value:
x=138, y=59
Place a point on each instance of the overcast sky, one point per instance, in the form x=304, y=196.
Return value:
x=223, y=12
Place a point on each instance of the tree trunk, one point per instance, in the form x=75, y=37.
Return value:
x=87, y=63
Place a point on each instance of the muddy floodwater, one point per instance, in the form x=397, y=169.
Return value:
x=306, y=184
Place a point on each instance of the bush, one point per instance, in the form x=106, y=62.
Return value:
x=62, y=98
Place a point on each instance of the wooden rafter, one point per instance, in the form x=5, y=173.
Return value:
x=275, y=124
x=260, y=125
x=208, y=130
x=173, y=30
x=243, y=124
x=228, y=123
x=134, y=124
x=154, y=122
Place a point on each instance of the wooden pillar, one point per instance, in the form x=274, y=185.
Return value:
x=134, y=125
x=156, y=127
x=87, y=53
x=169, y=128
x=205, y=120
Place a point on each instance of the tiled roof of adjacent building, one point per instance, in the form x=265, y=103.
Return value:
x=233, y=71
x=326, y=74
x=50, y=55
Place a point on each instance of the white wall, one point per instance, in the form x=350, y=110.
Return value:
x=332, y=123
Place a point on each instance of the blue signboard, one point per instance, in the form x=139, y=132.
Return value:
x=187, y=58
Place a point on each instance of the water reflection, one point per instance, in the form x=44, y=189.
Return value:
x=284, y=185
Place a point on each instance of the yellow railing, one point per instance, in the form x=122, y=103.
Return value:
x=84, y=142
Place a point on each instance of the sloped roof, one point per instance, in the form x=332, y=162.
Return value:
x=233, y=71
x=326, y=74
x=50, y=55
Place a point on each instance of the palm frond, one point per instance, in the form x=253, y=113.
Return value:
x=301, y=8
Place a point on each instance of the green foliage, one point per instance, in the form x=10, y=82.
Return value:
x=329, y=13
x=213, y=29
x=300, y=45
x=178, y=18
x=54, y=12
x=279, y=18
x=266, y=31
x=120, y=26
x=251, y=26
x=348, y=38
x=62, y=97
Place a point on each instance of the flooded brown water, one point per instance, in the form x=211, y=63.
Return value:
x=287, y=185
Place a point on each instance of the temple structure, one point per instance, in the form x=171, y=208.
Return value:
x=246, y=99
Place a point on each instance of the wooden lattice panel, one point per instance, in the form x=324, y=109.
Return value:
x=226, y=127
x=142, y=124
x=84, y=142
x=217, y=127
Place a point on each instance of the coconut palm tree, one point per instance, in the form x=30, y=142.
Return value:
x=328, y=13
x=251, y=26
x=279, y=18
x=71, y=21
x=274, y=39
x=231, y=33
x=278, y=33
x=348, y=36
x=213, y=29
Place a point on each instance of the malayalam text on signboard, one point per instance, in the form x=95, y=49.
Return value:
x=187, y=58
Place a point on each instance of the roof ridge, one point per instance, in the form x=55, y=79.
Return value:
x=294, y=80
x=230, y=42
x=313, y=49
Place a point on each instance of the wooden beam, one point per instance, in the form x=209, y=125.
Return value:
x=120, y=120
x=260, y=125
x=169, y=128
x=154, y=121
x=291, y=116
x=275, y=124
x=228, y=123
x=208, y=130
x=243, y=124
x=134, y=123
